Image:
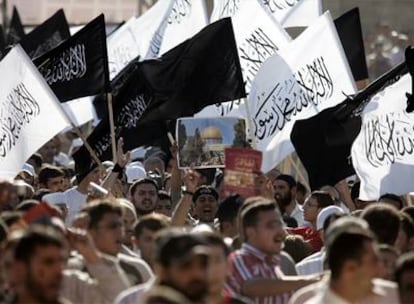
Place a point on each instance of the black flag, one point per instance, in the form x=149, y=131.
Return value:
x=78, y=67
x=323, y=142
x=201, y=71
x=350, y=33
x=16, y=30
x=2, y=43
x=46, y=36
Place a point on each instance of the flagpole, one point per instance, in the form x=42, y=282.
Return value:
x=249, y=124
x=111, y=126
x=85, y=142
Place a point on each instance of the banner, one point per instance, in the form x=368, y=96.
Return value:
x=46, y=36
x=185, y=19
x=383, y=152
x=29, y=112
x=257, y=40
x=292, y=13
x=201, y=71
x=241, y=171
x=289, y=13
x=298, y=82
x=2, y=43
x=78, y=67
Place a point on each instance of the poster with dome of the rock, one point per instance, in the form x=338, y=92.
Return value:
x=201, y=141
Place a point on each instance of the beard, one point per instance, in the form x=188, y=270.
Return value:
x=145, y=207
x=195, y=290
x=285, y=200
x=38, y=291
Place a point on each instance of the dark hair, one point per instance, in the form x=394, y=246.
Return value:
x=229, y=208
x=142, y=181
x=330, y=219
x=163, y=195
x=296, y=247
x=404, y=263
x=48, y=172
x=40, y=193
x=391, y=197
x=216, y=240
x=407, y=224
x=154, y=222
x=37, y=159
x=11, y=217
x=384, y=222
x=301, y=188
x=97, y=210
x=345, y=247
x=291, y=222
x=36, y=236
x=68, y=172
x=323, y=198
x=251, y=209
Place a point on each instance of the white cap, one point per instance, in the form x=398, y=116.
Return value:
x=138, y=153
x=325, y=213
x=76, y=143
x=134, y=172
x=55, y=198
x=29, y=169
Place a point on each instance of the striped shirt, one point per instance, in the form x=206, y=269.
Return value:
x=250, y=263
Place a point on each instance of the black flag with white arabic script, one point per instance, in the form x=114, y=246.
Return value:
x=78, y=67
x=16, y=30
x=46, y=36
x=201, y=71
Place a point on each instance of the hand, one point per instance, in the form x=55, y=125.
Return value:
x=265, y=186
x=122, y=159
x=191, y=180
x=174, y=154
x=82, y=242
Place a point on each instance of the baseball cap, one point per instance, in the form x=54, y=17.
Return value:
x=205, y=190
x=28, y=168
x=178, y=246
x=325, y=213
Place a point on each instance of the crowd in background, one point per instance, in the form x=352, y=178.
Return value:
x=140, y=230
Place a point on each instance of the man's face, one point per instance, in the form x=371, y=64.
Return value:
x=108, y=234
x=145, y=198
x=283, y=193
x=310, y=209
x=129, y=219
x=43, y=275
x=268, y=234
x=146, y=245
x=55, y=184
x=190, y=278
x=205, y=208
x=217, y=269
x=407, y=287
x=164, y=207
x=48, y=151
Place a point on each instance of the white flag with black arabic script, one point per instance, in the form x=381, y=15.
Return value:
x=30, y=114
x=289, y=13
x=383, y=152
x=298, y=82
x=257, y=40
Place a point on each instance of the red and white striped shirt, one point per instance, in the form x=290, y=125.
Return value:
x=250, y=263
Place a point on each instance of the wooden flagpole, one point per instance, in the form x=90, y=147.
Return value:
x=249, y=124
x=112, y=126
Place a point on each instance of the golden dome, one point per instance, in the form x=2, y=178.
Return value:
x=211, y=133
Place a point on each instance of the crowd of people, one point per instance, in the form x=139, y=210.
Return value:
x=140, y=230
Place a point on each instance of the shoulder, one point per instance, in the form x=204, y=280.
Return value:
x=133, y=295
x=307, y=293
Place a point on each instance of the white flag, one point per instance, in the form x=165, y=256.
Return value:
x=383, y=152
x=186, y=18
x=258, y=36
x=308, y=76
x=80, y=110
x=30, y=114
x=291, y=13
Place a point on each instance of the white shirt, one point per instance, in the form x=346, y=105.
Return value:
x=383, y=292
x=297, y=214
x=312, y=264
x=134, y=294
x=76, y=201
